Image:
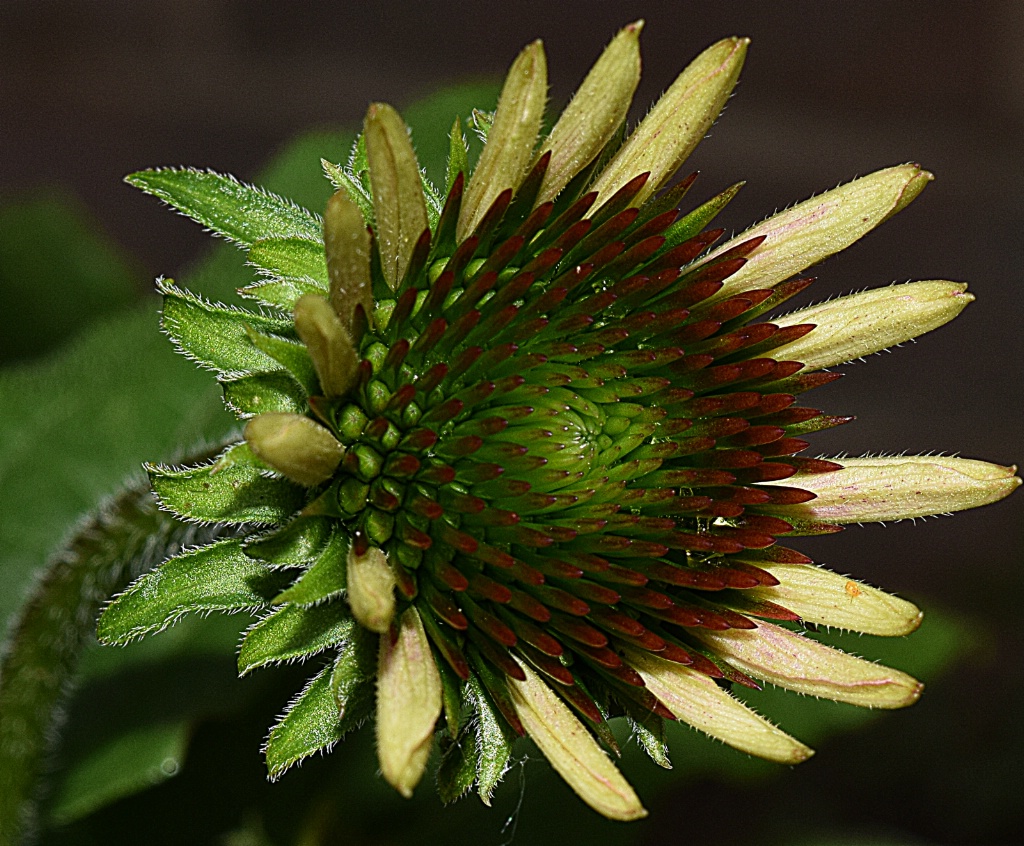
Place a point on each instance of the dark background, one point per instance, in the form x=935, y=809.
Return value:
x=90, y=91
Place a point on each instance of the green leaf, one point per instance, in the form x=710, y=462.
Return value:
x=239, y=212
x=294, y=266
x=458, y=155
x=294, y=545
x=133, y=761
x=649, y=731
x=58, y=272
x=324, y=579
x=219, y=577
x=292, y=355
x=293, y=632
x=216, y=336
x=354, y=679
x=122, y=537
x=263, y=392
x=686, y=227
x=457, y=770
x=494, y=739
x=235, y=488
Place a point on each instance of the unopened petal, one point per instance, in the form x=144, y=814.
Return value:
x=784, y=658
x=509, y=149
x=408, y=703
x=860, y=324
x=398, y=203
x=817, y=228
x=572, y=750
x=329, y=344
x=294, y=446
x=370, y=589
x=695, y=699
x=347, y=249
x=869, y=490
x=821, y=596
x=597, y=110
x=677, y=123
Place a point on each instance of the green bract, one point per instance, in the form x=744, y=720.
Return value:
x=516, y=454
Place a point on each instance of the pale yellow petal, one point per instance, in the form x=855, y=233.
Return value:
x=347, y=250
x=294, y=446
x=408, y=703
x=899, y=487
x=695, y=699
x=595, y=113
x=398, y=203
x=370, y=586
x=817, y=228
x=677, y=123
x=779, y=656
x=821, y=596
x=850, y=327
x=328, y=342
x=509, y=149
x=571, y=749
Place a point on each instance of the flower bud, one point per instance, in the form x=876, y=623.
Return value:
x=370, y=589
x=860, y=324
x=821, y=596
x=784, y=658
x=572, y=750
x=509, y=149
x=677, y=123
x=347, y=248
x=595, y=113
x=873, y=490
x=329, y=344
x=398, y=203
x=408, y=703
x=817, y=228
x=694, y=698
x=294, y=446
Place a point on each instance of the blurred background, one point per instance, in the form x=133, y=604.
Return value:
x=92, y=90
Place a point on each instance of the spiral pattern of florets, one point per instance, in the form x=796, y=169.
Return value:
x=563, y=441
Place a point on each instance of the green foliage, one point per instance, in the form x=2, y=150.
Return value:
x=292, y=632
x=58, y=274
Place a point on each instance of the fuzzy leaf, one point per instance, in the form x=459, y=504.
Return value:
x=239, y=212
x=458, y=155
x=697, y=220
x=649, y=730
x=293, y=267
x=233, y=489
x=324, y=579
x=219, y=577
x=457, y=770
x=293, y=632
x=265, y=392
x=311, y=724
x=37, y=664
x=215, y=336
x=294, y=545
x=291, y=355
x=353, y=679
x=494, y=738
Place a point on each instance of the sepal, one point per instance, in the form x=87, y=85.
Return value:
x=219, y=577
x=239, y=212
x=293, y=633
x=235, y=488
x=216, y=336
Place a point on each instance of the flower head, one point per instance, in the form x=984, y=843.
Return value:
x=522, y=457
